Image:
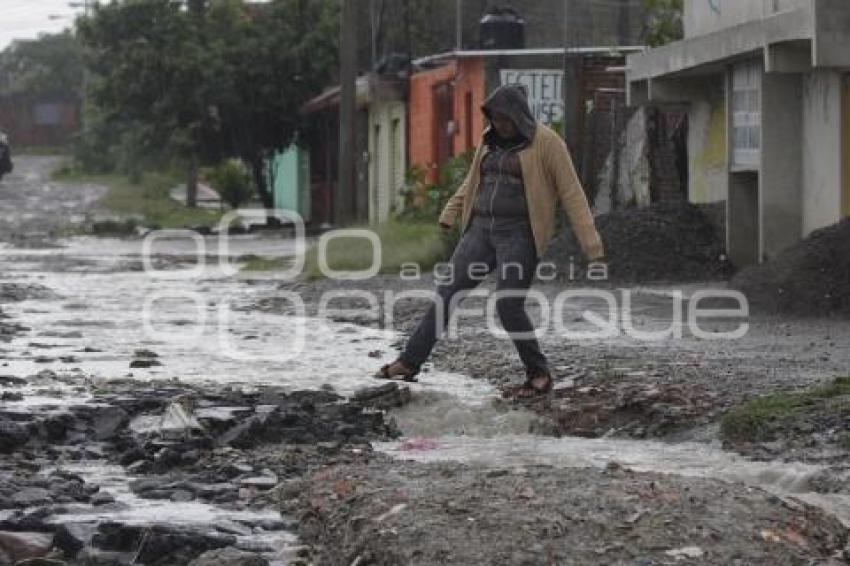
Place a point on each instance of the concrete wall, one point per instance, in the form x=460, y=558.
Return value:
x=822, y=143
x=706, y=16
x=781, y=172
x=387, y=158
x=707, y=154
x=743, y=228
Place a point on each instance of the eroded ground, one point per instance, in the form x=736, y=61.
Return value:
x=107, y=368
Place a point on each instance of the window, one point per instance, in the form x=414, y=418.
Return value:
x=746, y=115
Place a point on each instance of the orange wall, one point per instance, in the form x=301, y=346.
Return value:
x=468, y=78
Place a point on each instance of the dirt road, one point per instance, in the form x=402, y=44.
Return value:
x=104, y=345
x=32, y=206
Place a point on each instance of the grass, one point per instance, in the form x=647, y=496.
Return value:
x=257, y=264
x=402, y=243
x=758, y=419
x=146, y=199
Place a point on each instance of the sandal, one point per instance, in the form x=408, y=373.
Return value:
x=531, y=388
x=396, y=370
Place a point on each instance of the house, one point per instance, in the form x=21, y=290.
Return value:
x=387, y=107
x=447, y=92
x=381, y=130
x=289, y=181
x=46, y=121
x=768, y=98
x=327, y=206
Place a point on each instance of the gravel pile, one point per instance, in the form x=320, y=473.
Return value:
x=811, y=278
x=666, y=242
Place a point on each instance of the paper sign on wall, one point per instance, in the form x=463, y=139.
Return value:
x=545, y=94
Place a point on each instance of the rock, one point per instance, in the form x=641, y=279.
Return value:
x=12, y=396
x=229, y=557
x=71, y=538
x=182, y=496
x=41, y=562
x=31, y=496
x=140, y=467
x=33, y=521
x=102, y=498
x=383, y=397
x=145, y=354
x=260, y=482
x=12, y=381
x=245, y=434
x=144, y=364
x=96, y=557
x=108, y=421
x=12, y=436
x=20, y=546
x=165, y=546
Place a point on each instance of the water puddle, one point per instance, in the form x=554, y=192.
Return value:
x=271, y=540
x=469, y=437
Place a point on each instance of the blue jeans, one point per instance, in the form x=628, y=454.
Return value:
x=494, y=241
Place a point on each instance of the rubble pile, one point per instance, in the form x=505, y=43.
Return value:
x=227, y=447
x=665, y=242
x=811, y=278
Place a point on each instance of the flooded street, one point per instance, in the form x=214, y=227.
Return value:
x=107, y=337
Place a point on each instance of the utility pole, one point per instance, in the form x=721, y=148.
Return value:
x=573, y=83
x=196, y=9
x=459, y=23
x=346, y=194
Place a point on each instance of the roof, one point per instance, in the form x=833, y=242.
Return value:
x=331, y=97
x=599, y=50
x=810, y=30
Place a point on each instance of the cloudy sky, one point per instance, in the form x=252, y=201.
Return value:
x=25, y=19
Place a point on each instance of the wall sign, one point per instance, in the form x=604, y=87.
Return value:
x=545, y=91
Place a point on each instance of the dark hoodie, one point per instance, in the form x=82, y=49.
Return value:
x=501, y=193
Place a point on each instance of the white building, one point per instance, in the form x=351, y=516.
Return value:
x=768, y=88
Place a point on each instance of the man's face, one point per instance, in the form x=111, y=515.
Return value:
x=503, y=125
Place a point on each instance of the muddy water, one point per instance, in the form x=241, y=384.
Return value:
x=195, y=315
x=104, y=307
x=129, y=509
x=96, y=303
x=480, y=434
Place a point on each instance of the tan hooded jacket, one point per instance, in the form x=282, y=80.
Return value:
x=548, y=177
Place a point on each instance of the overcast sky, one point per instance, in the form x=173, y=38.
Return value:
x=25, y=19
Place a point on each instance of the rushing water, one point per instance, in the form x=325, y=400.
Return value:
x=105, y=307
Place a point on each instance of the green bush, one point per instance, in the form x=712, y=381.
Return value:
x=233, y=182
x=451, y=175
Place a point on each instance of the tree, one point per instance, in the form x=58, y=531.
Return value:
x=273, y=63
x=49, y=66
x=664, y=21
x=212, y=81
x=152, y=75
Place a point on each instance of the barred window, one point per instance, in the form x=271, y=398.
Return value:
x=746, y=115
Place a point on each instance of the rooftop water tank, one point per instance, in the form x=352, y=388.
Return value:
x=502, y=28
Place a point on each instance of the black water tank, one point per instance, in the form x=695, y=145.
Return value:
x=502, y=28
